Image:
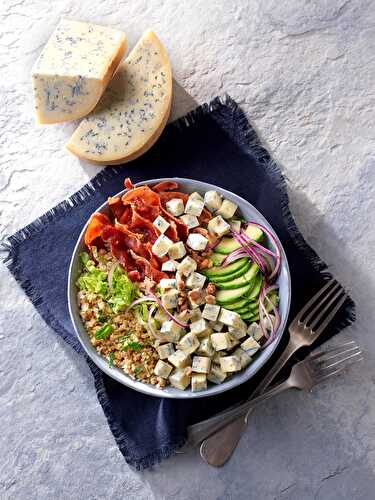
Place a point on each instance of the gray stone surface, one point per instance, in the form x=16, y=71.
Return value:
x=304, y=72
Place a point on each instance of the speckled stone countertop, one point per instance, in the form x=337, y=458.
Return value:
x=304, y=72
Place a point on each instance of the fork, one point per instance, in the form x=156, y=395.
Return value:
x=306, y=327
x=304, y=376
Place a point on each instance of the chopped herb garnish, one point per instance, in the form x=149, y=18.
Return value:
x=102, y=318
x=110, y=359
x=138, y=370
x=135, y=346
x=104, y=332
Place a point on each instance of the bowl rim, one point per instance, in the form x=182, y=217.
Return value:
x=173, y=393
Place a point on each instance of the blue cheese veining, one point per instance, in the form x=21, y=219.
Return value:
x=132, y=112
x=74, y=69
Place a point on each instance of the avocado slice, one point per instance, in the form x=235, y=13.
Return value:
x=255, y=290
x=245, y=279
x=217, y=258
x=224, y=271
x=227, y=244
x=250, y=317
x=239, y=304
x=236, y=274
x=224, y=297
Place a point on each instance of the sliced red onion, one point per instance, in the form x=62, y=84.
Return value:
x=139, y=301
x=275, y=244
x=256, y=244
x=275, y=324
x=239, y=253
x=250, y=251
x=149, y=321
x=170, y=316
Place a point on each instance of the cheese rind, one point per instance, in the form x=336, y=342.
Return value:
x=74, y=69
x=133, y=111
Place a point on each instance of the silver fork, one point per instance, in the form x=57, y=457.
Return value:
x=304, y=376
x=306, y=327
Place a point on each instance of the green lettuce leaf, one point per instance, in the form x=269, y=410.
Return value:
x=123, y=290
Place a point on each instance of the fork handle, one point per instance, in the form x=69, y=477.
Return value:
x=202, y=430
x=218, y=448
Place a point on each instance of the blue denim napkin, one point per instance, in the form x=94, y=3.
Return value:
x=214, y=143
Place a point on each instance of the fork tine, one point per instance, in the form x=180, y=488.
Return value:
x=330, y=316
x=319, y=310
x=332, y=349
x=334, y=352
x=337, y=371
x=338, y=362
x=313, y=300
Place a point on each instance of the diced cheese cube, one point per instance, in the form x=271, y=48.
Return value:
x=244, y=357
x=170, y=298
x=74, y=69
x=195, y=315
x=221, y=341
x=180, y=359
x=169, y=337
x=161, y=246
x=179, y=379
x=198, y=327
x=235, y=225
x=227, y=209
x=205, y=348
x=170, y=327
x=165, y=350
x=230, y=364
x=251, y=346
x=196, y=196
x=187, y=266
x=218, y=227
x=198, y=382
x=229, y=318
x=177, y=250
x=212, y=200
x=217, y=326
x=167, y=283
x=255, y=331
x=169, y=266
x=197, y=242
x=238, y=333
x=195, y=280
x=188, y=343
x=196, y=297
x=162, y=369
x=132, y=112
x=216, y=375
x=175, y=206
x=201, y=364
x=194, y=207
x=190, y=221
x=211, y=312
x=161, y=224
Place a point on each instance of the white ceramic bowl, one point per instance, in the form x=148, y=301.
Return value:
x=250, y=213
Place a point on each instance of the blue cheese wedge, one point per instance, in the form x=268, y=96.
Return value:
x=188, y=343
x=133, y=110
x=179, y=379
x=161, y=224
x=216, y=375
x=74, y=69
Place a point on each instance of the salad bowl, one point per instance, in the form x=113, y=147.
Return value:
x=249, y=212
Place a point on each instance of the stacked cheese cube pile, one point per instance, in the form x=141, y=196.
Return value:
x=70, y=81
x=217, y=342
